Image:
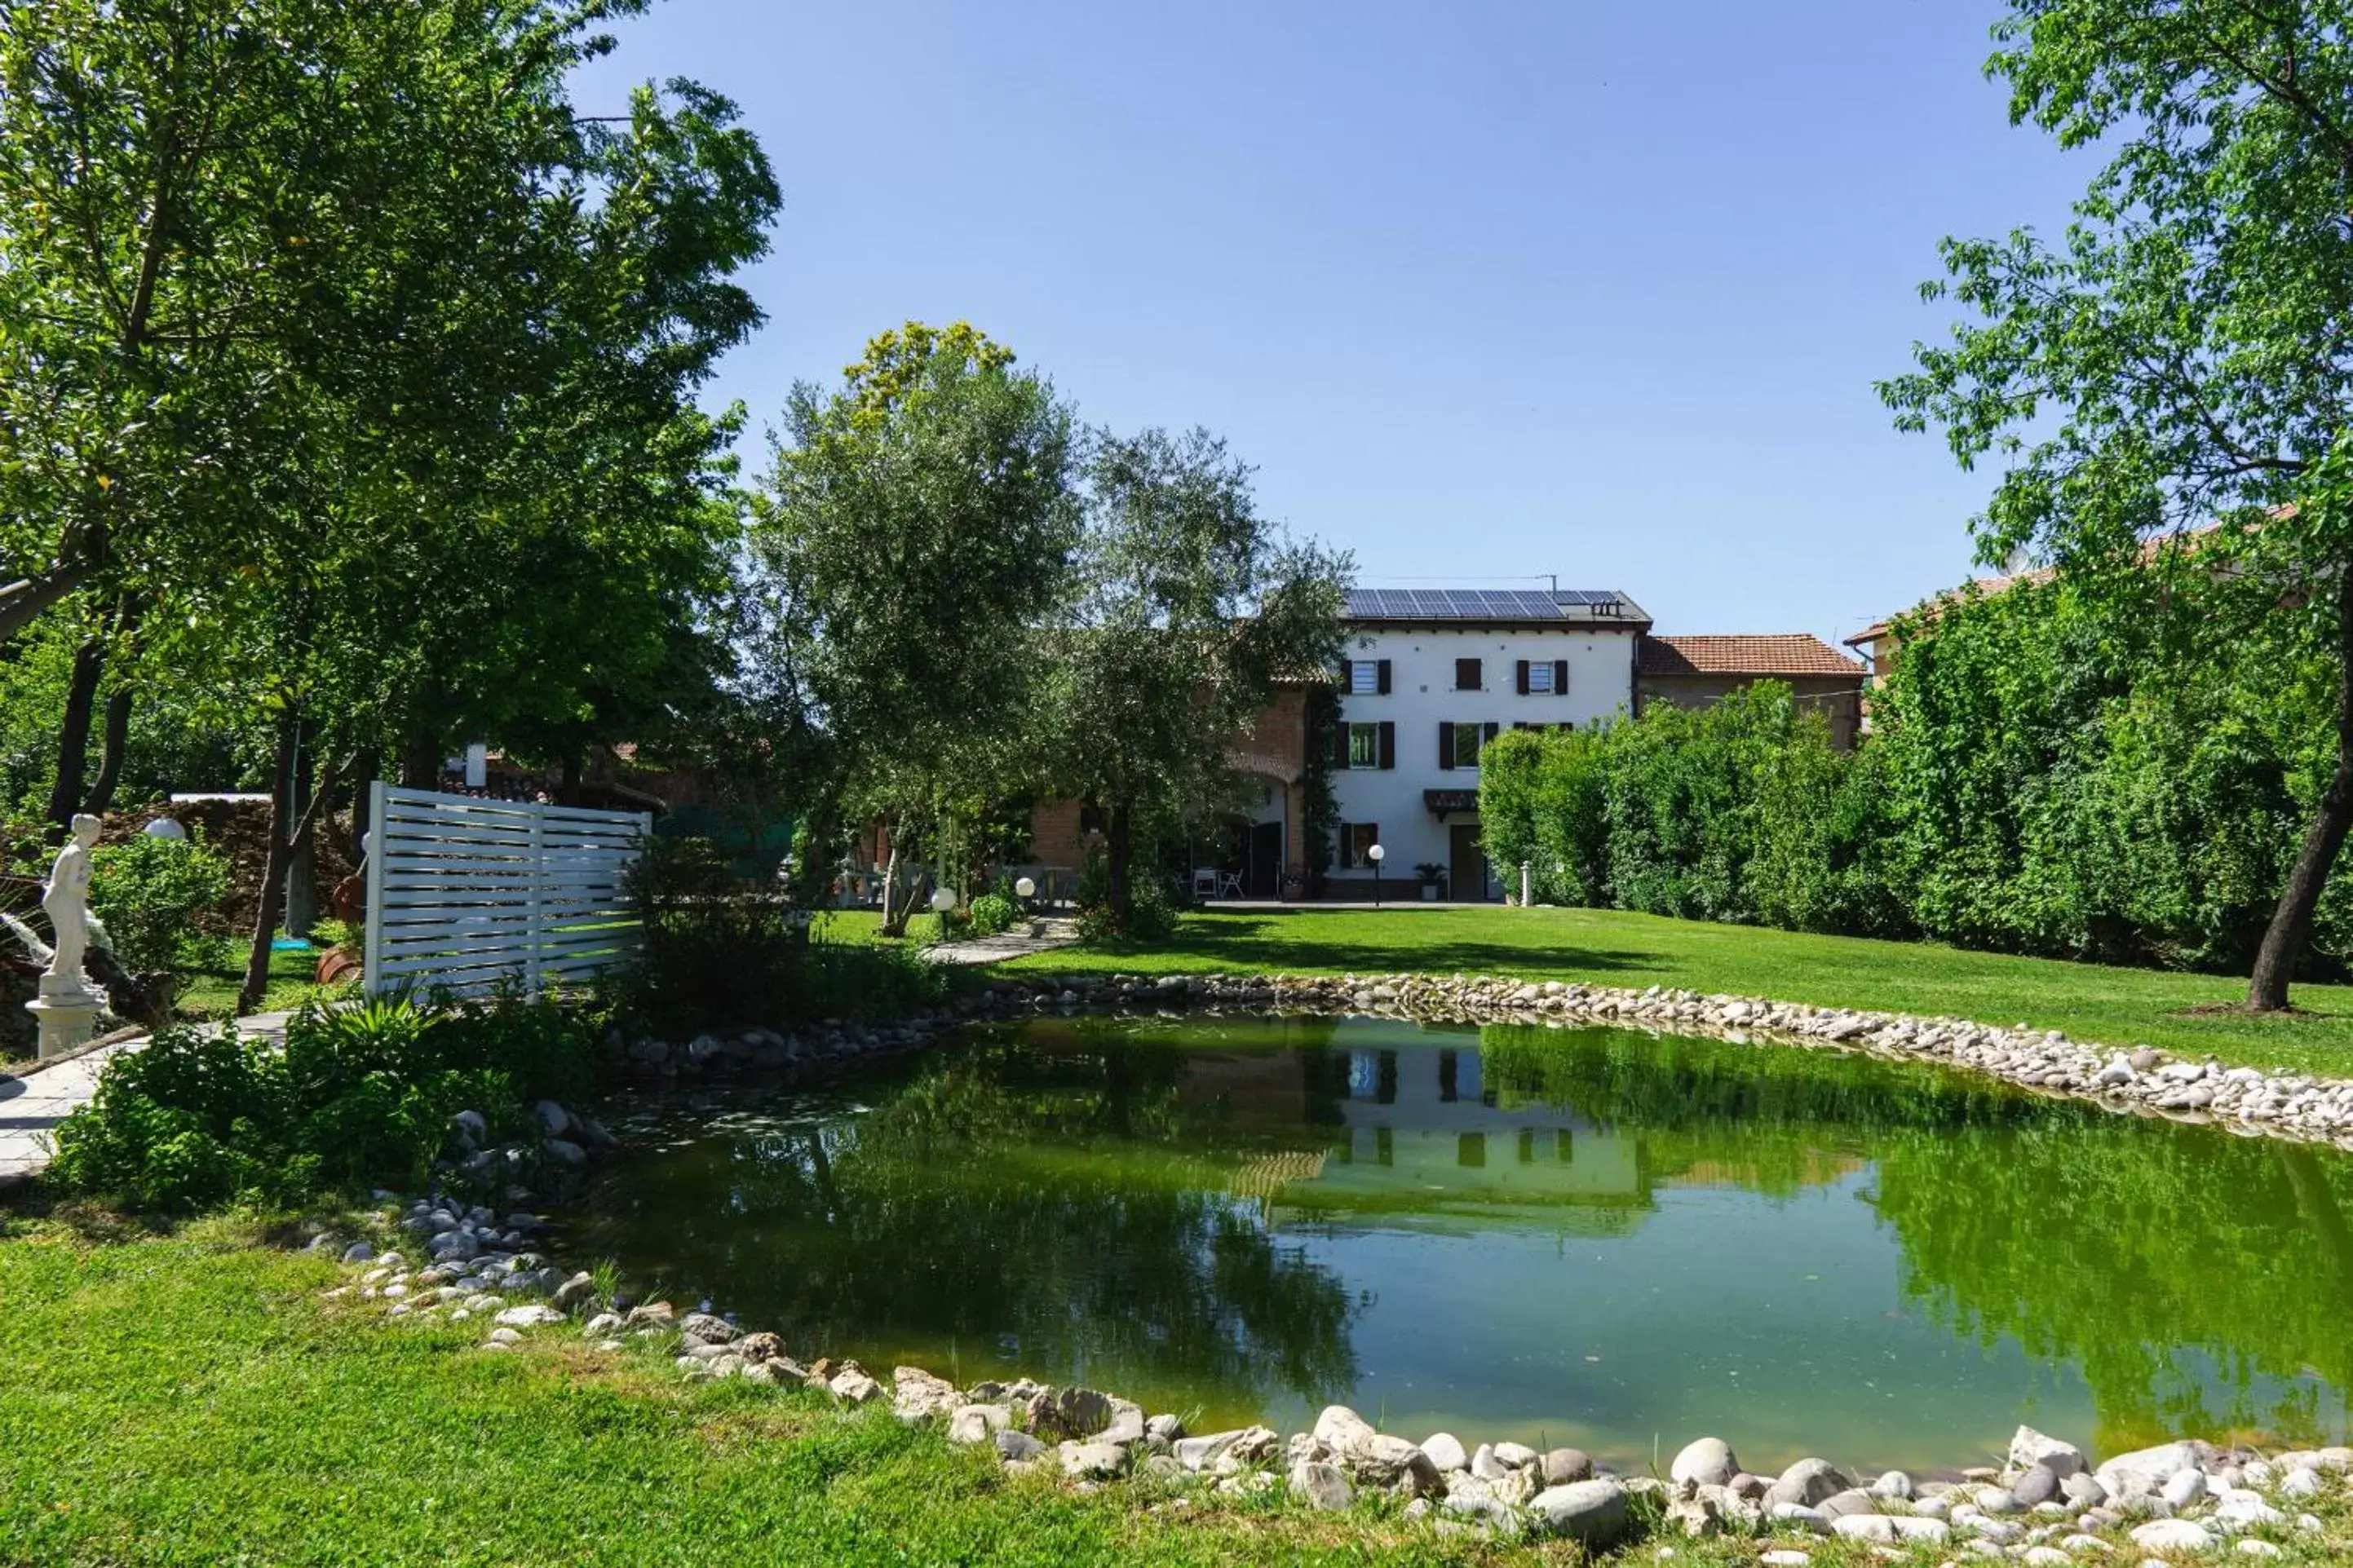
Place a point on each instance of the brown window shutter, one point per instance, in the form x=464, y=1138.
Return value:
x=1560, y=677
x=1340, y=748
x=1385, y=677
x=1492, y=729
x=1388, y=745
x=1340, y=846
x=1445, y=745
x=1468, y=675
x=1520, y=673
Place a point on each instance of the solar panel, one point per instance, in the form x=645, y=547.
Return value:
x=1469, y=604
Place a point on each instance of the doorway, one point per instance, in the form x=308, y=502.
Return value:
x=1265, y=880
x=1467, y=865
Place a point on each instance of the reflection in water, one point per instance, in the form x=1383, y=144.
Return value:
x=1583, y=1236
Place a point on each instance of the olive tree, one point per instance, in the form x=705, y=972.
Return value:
x=915, y=527
x=1191, y=608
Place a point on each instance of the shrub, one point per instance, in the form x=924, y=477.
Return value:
x=720, y=954
x=356, y=1097
x=992, y=913
x=147, y=893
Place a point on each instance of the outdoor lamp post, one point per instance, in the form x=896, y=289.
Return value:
x=1025, y=890
x=1377, y=855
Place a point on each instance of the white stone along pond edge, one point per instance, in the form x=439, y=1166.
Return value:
x=2047, y=1503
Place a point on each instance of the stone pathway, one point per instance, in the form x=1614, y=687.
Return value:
x=1043, y=936
x=31, y=1105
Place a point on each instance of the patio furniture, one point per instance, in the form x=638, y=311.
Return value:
x=1229, y=885
x=1205, y=881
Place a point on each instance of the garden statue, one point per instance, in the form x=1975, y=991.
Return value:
x=67, y=1006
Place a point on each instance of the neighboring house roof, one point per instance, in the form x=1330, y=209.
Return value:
x=1518, y=607
x=1988, y=586
x=1761, y=653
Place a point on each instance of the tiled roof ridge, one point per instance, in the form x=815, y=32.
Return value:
x=1744, y=653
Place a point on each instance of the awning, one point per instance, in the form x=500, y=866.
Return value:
x=1442, y=801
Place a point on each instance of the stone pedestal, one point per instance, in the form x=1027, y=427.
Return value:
x=67, y=1014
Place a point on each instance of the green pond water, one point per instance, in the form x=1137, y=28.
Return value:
x=1591, y=1236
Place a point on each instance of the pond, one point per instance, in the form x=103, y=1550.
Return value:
x=1589, y=1237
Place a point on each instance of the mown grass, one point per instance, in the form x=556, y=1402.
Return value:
x=186, y=1399
x=2089, y=1001
x=210, y=990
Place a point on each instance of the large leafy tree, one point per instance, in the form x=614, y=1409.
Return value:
x=916, y=526
x=2179, y=356
x=1192, y=608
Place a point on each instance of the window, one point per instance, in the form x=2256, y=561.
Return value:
x=1540, y=677
x=1364, y=745
x=1467, y=741
x=1364, y=677
x=1467, y=676
x=1357, y=840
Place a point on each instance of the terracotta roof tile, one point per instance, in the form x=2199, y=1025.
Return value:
x=1771, y=653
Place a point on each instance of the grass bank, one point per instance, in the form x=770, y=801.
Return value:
x=184, y=1400
x=2089, y=1002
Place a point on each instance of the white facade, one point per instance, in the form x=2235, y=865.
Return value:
x=1595, y=651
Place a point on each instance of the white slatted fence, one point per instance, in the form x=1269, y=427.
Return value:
x=462, y=893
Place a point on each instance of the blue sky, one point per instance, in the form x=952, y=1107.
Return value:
x=1485, y=291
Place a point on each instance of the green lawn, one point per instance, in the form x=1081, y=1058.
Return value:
x=2128, y=1006
x=184, y=1401
x=210, y=992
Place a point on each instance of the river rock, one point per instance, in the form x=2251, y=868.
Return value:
x=851, y=1384
x=1852, y=1500
x=1320, y=1485
x=1863, y=1527
x=2147, y=1469
x=528, y=1317
x=1591, y=1513
x=1925, y=1531
x=1445, y=1450
x=918, y=1395
x=1707, y=1462
x=1341, y=1429
x=1806, y=1483
x=1093, y=1461
x=1562, y=1465
x=1018, y=1447
x=2038, y=1484
x=1517, y=1455
x=1392, y=1462
x=2182, y=1487
x=978, y=1422
x=1894, y=1484
x=2084, y=1490
x=2029, y=1448
x=2173, y=1535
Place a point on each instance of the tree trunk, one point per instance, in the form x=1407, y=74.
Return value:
x=421, y=761
x=73, y=729
x=22, y=603
x=1118, y=850
x=370, y=764
x=2292, y=921
x=114, y=741
x=892, y=926
x=302, y=909
x=278, y=857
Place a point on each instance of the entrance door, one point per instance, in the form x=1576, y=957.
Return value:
x=1467, y=878
x=1265, y=860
